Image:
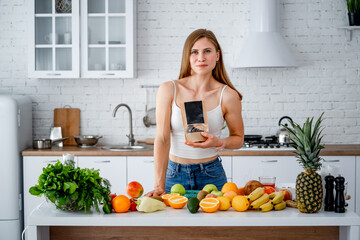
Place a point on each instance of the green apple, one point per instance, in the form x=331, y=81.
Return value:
x=178, y=188
x=209, y=188
x=217, y=193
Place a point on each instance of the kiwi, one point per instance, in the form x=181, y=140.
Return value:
x=158, y=198
x=201, y=195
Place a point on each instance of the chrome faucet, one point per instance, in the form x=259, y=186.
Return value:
x=131, y=135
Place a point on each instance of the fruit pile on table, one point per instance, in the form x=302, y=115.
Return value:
x=253, y=196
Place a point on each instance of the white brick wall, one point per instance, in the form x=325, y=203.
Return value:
x=328, y=78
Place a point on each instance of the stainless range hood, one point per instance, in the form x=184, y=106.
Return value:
x=265, y=47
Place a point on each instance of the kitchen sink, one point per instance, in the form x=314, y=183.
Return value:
x=126, y=148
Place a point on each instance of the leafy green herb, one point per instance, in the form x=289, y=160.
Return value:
x=73, y=189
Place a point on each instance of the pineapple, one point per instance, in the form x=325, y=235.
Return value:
x=307, y=142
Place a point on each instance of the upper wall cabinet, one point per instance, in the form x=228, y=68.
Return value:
x=54, y=39
x=107, y=38
x=100, y=44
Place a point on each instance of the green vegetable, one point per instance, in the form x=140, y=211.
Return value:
x=193, y=204
x=148, y=204
x=73, y=189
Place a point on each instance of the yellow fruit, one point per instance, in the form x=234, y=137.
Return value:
x=229, y=186
x=167, y=196
x=230, y=195
x=178, y=201
x=209, y=204
x=240, y=203
x=224, y=203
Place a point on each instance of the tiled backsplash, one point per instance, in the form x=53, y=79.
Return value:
x=327, y=79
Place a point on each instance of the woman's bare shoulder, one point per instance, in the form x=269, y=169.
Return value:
x=231, y=95
x=166, y=90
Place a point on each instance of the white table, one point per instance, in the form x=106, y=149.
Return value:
x=46, y=215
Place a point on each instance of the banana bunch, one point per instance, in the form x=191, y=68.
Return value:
x=264, y=202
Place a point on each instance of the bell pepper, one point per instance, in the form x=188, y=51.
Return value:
x=148, y=204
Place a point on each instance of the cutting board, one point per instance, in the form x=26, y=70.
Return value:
x=69, y=121
x=149, y=141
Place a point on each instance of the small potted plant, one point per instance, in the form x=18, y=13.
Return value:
x=353, y=12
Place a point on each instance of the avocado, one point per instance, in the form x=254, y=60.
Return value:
x=193, y=205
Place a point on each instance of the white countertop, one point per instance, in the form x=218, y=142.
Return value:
x=48, y=215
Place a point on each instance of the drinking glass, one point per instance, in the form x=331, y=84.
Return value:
x=267, y=181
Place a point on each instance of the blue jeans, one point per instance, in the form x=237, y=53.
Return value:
x=195, y=176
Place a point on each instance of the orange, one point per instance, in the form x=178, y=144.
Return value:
x=230, y=195
x=225, y=203
x=209, y=205
x=241, y=191
x=167, y=196
x=121, y=204
x=178, y=201
x=229, y=186
x=240, y=203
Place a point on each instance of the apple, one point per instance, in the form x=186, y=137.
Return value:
x=178, y=188
x=268, y=189
x=217, y=193
x=209, y=188
x=287, y=194
x=211, y=196
x=134, y=189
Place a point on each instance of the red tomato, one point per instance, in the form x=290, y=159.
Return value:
x=112, y=195
x=133, y=204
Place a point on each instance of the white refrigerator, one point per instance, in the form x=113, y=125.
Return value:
x=15, y=136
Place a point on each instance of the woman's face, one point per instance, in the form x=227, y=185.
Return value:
x=203, y=56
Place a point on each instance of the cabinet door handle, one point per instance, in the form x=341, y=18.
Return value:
x=51, y=161
x=268, y=161
x=332, y=160
x=149, y=161
x=54, y=74
x=108, y=74
x=103, y=161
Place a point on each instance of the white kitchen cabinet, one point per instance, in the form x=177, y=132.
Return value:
x=346, y=167
x=246, y=168
x=107, y=38
x=141, y=169
x=53, y=40
x=111, y=168
x=227, y=165
x=33, y=168
x=102, y=42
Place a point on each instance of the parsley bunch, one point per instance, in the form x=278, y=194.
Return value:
x=73, y=189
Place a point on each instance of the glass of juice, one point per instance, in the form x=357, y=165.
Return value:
x=268, y=181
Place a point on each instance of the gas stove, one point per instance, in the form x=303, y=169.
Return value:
x=258, y=143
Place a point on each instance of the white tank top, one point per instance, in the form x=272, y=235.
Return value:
x=178, y=147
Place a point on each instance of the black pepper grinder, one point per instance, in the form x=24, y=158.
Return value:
x=339, y=199
x=329, y=197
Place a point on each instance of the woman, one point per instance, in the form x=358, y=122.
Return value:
x=202, y=77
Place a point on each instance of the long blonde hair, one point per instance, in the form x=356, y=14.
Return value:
x=219, y=72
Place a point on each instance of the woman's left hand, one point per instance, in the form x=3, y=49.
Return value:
x=211, y=141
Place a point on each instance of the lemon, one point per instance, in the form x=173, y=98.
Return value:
x=240, y=203
x=224, y=203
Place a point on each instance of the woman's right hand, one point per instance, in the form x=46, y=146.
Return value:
x=156, y=192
